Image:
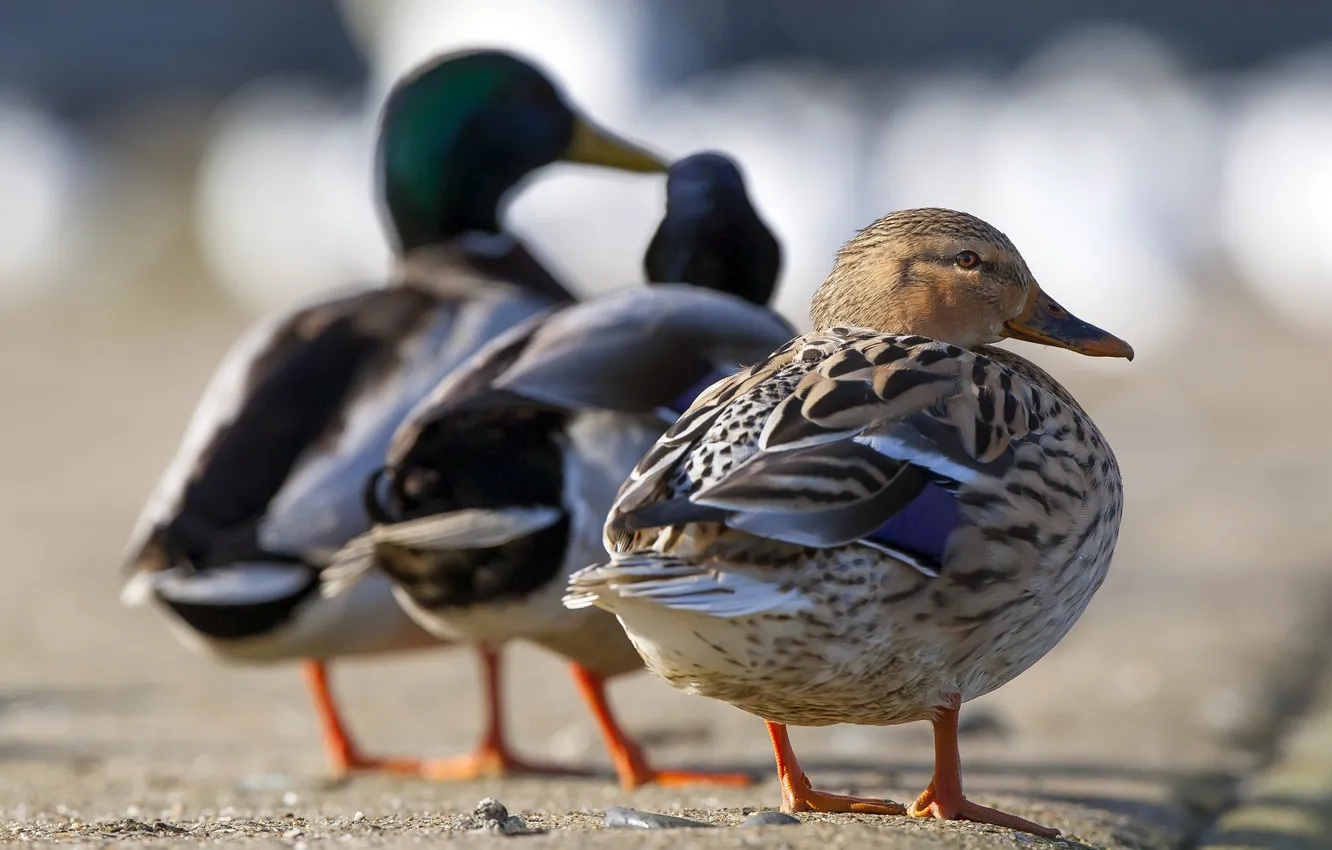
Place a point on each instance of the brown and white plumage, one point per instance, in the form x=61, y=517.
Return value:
x=885, y=518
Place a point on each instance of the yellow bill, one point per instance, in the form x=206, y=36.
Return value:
x=593, y=146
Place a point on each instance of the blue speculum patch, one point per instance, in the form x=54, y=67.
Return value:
x=922, y=528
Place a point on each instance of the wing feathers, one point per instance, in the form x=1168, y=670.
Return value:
x=635, y=352
x=868, y=421
x=469, y=529
x=681, y=586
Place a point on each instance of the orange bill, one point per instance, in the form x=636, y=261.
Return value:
x=1045, y=322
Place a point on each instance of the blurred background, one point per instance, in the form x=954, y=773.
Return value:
x=226, y=146
x=171, y=171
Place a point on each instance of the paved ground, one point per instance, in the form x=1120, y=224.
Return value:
x=1188, y=709
x=1288, y=804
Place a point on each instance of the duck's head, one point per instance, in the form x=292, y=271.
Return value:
x=461, y=131
x=952, y=277
x=711, y=236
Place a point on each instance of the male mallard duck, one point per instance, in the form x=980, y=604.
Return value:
x=267, y=483
x=882, y=520
x=497, y=485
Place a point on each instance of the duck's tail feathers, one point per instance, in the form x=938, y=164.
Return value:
x=348, y=566
x=246, y=583
x=468, y=529
x=718, y=591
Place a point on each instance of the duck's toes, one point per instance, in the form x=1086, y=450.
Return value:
x=929, y=805
x=809, y=800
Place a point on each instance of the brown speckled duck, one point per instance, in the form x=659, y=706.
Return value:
x=885, y=518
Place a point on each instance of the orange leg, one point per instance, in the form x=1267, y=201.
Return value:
x=492, y=756
x=798, y=796
x=943, y=797
x=630, y=763
x=343, y=754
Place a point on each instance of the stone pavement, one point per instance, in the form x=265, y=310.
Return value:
x=1190, y=708
x=1288, y=804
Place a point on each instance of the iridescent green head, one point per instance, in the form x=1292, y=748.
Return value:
x=460, y=132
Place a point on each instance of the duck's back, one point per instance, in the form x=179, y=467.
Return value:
x=300, y=413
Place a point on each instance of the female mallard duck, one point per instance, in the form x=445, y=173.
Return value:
x=882, y=520
x=267, y=483
x=497, y=485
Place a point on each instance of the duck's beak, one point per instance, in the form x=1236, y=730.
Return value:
x=592, y=145
x=1045, y=322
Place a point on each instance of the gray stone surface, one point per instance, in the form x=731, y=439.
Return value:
x=1288, y=804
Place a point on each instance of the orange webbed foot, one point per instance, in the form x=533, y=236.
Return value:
x=929, y=804
x=943, y=797
x=809, y=800
x=798, y=796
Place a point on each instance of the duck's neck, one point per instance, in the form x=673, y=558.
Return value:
x=420, y=223
x=445, y=266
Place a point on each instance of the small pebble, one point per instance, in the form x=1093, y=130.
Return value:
x=621, y=817
x=490, y=816
x=358, y=817
x=771, y=819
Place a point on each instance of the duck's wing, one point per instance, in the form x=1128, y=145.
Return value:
x=500, y=487
x=635, y=352
x=918, y=449
x=300, y=412
x=469, y=386
x=457, y=530
x=275, y=391
x=321, y=506
x=640, y=350
x=478, y=286
x=631, y=353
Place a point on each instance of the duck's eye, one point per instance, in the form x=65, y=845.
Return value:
x=967, y=259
